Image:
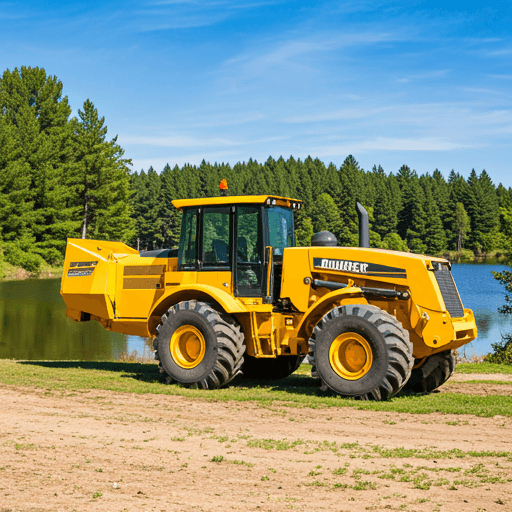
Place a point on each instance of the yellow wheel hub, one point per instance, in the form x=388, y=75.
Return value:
x=187, y=346
x=350, y=356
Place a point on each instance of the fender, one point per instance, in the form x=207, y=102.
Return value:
x=197, y=291
x=317, y=310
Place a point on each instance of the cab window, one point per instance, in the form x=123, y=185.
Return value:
x=280, y=221
x=188, y=240
x=249, y=252
x=216, y=229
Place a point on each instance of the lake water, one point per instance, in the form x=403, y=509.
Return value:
x=33, y=324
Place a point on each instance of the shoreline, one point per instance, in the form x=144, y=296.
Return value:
x=20, y=274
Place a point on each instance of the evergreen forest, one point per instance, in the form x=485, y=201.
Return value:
x=61, y=176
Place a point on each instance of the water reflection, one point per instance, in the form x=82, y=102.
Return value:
x=480, y=292
x=484, y=323
x=33, y=324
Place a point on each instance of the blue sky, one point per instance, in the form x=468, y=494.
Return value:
x=428, y=84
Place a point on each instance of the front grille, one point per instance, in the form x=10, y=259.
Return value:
x=449, y=291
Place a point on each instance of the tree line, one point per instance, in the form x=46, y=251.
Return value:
x=420, y=213
x=61, y=177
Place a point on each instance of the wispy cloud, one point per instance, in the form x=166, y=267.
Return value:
x=423, y=76
x=390, y=144
x=180, y=14
x=178, y=141
x=481, y=90
x=226, y=4
x=283, y=52
x=337, y=115
x=502, y=52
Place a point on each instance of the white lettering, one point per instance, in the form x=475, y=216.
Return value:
x=343, y=265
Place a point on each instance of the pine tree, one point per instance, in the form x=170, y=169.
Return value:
x=435, y=238
x=385, y=213
x=352, y=189
x=326, y=215
x=35, y=118
x=412, y=219
x=461, y=226
x=100, y=180
x=483, y=211
x=170, y=190
x=441, y=195
x=303, y=229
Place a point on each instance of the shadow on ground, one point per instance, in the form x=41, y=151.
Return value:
x=148, y=372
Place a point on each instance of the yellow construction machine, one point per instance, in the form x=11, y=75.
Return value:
x=239, y=297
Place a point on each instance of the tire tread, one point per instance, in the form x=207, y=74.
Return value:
x=230, y=342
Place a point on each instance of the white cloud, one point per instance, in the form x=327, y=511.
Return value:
x=179, y=141
x=390, y=144
x=294, y=53
x=499, y=53
x=337, y=115
x=423, y=76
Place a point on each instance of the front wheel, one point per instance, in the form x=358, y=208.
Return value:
x=361, y=351
x=198, y=346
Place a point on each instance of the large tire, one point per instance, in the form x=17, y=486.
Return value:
x=362, y=352
x=198, y=346
x=266, y=368
x=434, y=372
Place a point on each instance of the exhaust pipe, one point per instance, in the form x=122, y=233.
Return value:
x=364, y=225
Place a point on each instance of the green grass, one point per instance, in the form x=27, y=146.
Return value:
x=298, y=390
x=483, y=368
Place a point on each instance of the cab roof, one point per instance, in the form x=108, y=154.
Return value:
x=229, y=200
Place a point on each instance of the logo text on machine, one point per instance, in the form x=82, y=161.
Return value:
x=347, y=266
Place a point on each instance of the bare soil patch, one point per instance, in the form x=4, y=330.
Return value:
x=465, y=377
x=461, y=383
x=113, y=451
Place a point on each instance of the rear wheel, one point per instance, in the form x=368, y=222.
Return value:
x=434, y=372
x=266, y=368
x=360, y=351
x=198, y=346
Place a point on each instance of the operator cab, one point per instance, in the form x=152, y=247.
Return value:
x=244, y=235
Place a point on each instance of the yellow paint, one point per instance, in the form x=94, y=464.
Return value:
x=126, y=293
x=187, y=346
x=324, y=304
x=229, y=200
x=351, y=356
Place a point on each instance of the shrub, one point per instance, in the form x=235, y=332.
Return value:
x=502, y=351
x=20, y=257
x=394, y=242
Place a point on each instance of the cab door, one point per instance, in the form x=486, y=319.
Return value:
x=216, y=247
x=249, y=261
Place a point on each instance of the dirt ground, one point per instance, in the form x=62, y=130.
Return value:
x=110, y=451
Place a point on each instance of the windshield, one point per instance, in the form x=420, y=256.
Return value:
x=280, y=221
